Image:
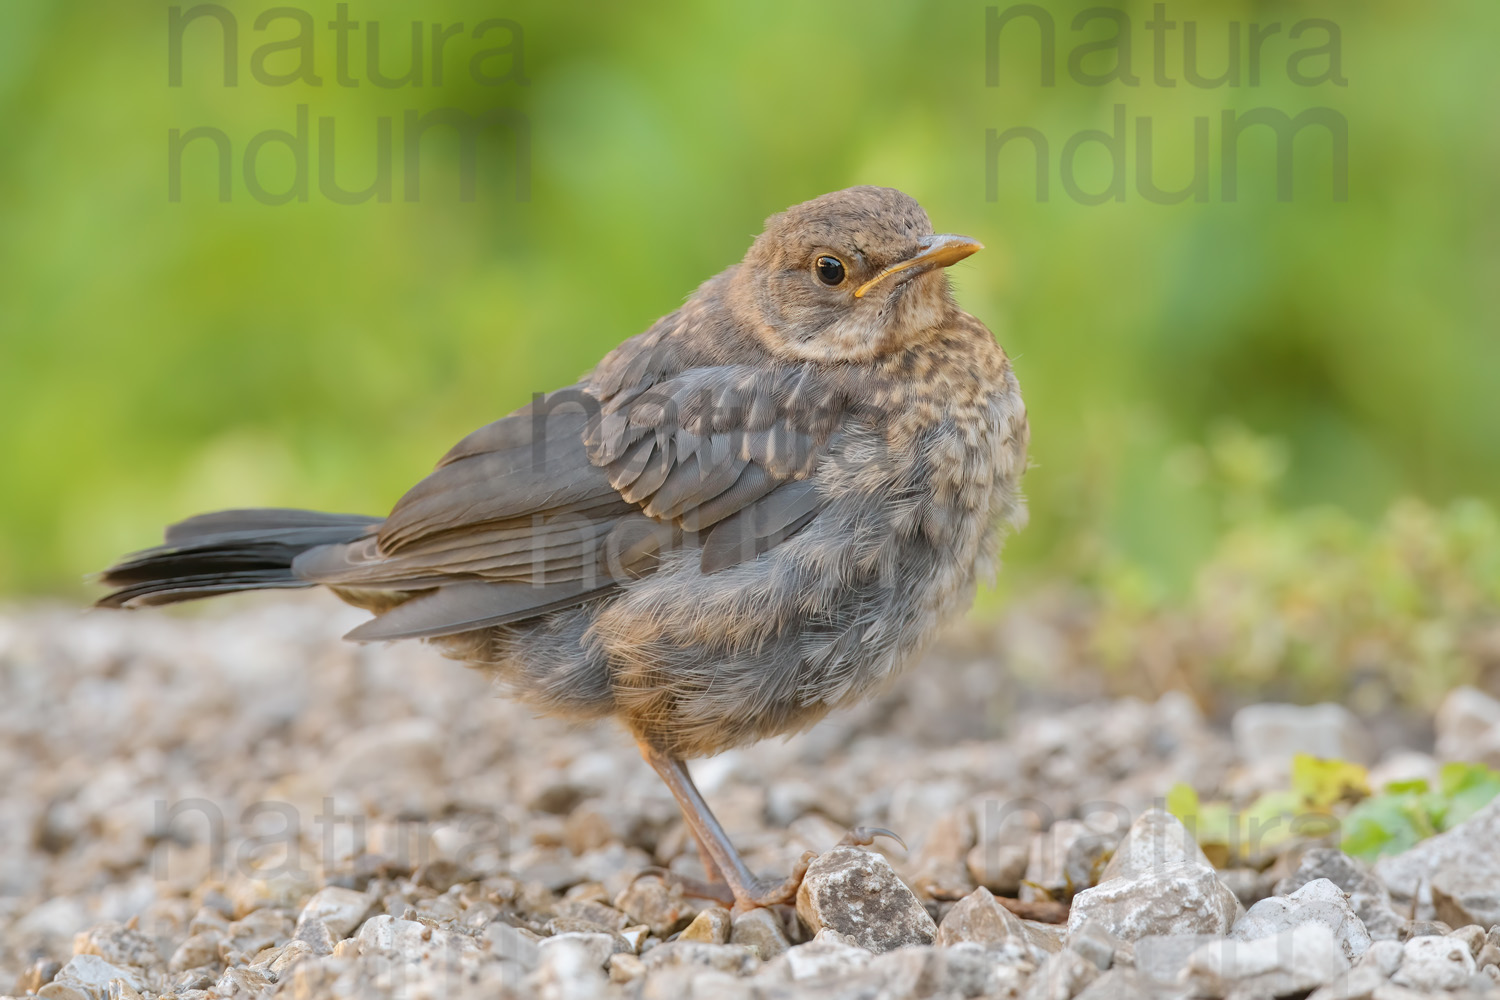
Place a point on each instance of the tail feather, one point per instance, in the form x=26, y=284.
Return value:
x=227, y=551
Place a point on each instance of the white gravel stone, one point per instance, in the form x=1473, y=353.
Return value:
x=827, y=956
x=416, y=944
x=1062, y=977
x=1463, y=895
x=1467, y=724
x=198, y=949
x=978, y=919
x=1317, y=902
x=93, y=975
x=1291, y=962
x=341, y=910
x=1434, y=963
x=624, y=967
x=1161, y=958
x=1469, y=848
x=760, y=930
x=732, y=958
x=1094, y=942
x=1384, y=956
x=1182, y=898
x=598, y=946
x=1002, y=847
x=1155, y=838
x=1274, y=734
x=710, y=926
x=1367, y=895
x=1364, y=982
x=858, y=894
x=568, y=971
x=1121, y=984
x=513, y=943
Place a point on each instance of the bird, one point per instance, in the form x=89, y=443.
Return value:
x=754, y=512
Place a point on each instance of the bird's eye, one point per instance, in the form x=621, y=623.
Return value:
x=830, y=270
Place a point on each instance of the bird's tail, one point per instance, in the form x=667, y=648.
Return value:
x=225, y=552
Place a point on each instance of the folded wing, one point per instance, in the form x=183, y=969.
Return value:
x=584, y=490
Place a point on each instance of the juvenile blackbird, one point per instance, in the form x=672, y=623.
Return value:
x=752, y=513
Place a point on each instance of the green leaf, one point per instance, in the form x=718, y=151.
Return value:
x=1269, y=822
x=1390, y=824
x=1378, y=826
x=1182, y=802
x=1324, y=783
x=1216, y=827
x=1467, y=788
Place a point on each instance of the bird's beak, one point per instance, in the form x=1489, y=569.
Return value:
x=935, y=251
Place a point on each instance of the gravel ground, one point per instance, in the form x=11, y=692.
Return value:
x=239, y=804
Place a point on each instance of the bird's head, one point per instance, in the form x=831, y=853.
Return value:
x=848, y=276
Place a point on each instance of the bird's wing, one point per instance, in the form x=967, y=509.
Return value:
x=727, y=453
x=514, y=522
x=583, y=490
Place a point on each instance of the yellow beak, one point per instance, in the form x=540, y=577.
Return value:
x=936, y=251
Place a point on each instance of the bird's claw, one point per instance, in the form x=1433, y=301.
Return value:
x=864, y=836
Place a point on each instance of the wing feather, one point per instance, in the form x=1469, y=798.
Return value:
x=584, y=489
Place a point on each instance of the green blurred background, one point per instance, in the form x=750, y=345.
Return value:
x=160, y=358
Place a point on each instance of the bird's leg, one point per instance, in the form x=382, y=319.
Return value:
x=748, y=891
x=712, y=886
x=710, y=867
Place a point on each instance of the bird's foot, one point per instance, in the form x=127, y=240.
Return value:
x=758, y=893
x=739, y=897
x=695, y=887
